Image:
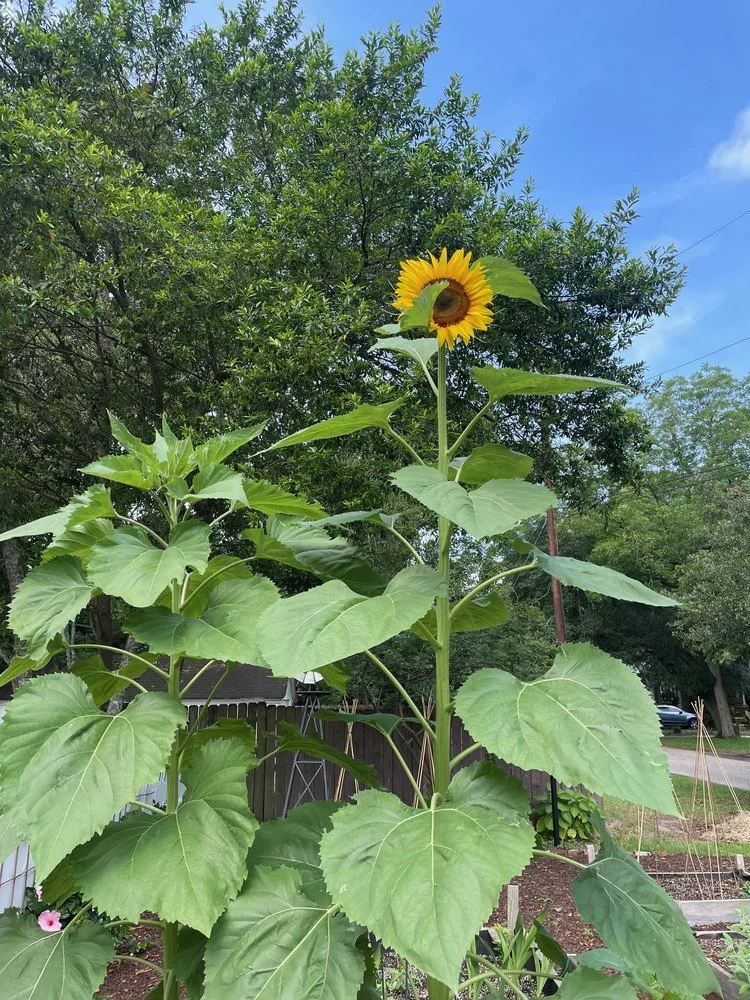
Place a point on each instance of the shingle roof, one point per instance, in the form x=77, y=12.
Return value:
x=244, y=683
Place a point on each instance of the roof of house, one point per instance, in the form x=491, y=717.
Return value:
x=244, y=683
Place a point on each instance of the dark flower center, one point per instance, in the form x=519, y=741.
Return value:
x=451, y=305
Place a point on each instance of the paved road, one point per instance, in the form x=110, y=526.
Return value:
x=722, y=772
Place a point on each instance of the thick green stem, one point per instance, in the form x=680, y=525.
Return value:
x=443, y=707
x=169, y=934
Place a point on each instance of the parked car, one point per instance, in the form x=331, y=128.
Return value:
x=672, y=716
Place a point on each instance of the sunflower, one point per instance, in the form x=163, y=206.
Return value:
x=462, y=306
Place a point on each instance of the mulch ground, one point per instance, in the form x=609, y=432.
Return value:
x=545, y=882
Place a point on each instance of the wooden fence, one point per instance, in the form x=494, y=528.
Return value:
x=269, y=783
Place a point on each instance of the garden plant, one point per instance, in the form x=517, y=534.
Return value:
x=291, y=908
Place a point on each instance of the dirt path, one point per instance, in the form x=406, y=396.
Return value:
x=725, y=771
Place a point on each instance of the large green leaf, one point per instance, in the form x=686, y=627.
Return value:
x=307, y=546
x=36, y=965
x=494, y=461
x=226, y=630
x=588, y=984
x=600, y=580
x=175, y=457
x=216, y=449
x=419, y=349
x=102, y=683
x=420, y=313
x=10, y=836
x=127, y=565
x=294, y=842
x=501, y=382
x=290, y=738
x=270, y=499
x=425, y=880
x=492, y=509
x=588, y=720
x=49, y=597
x=636, y=918
x=184, y=865
x=506, y=279
x=482, y=612
x=78, y=540
x=94, y=502
x=216, y=482
x=331, y=622
x=122, y=469
x=276, y=943
x=362, y=417
x=66, y=768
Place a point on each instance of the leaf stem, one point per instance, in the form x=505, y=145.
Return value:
x=402, y=691
x=120, y=652
x=488, y=583
x=465, y=753
x=558, y=857
x=206, y=666
x=81, y=913
x=142, y=961
x=147, y=806
x=213, y=576
x=407, y=771
x=207, y=703
x=405, y=444
x=468, y=429
x=133, y=923
x=404, y=541
x=140, y=524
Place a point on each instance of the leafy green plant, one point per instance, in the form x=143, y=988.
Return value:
x=737, y=954
x=281, y=909
x=575, y=811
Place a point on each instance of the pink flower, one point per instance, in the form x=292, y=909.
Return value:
x=50, y=921
x=38, y=891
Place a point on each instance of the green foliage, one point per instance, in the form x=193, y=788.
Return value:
x=576, y=811
x=615, y=894
x=394, y=869
x=737, y=954
x=285, y=915
x=607, y=734
x=70, y=964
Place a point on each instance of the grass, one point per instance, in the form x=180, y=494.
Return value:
x=666, y=833
x=735, y=745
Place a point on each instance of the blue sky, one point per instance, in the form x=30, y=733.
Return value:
x=648, y=92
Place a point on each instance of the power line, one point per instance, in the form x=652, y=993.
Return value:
x=715, y=231
x=699, y=358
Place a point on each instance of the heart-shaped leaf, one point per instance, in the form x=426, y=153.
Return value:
x=66, y=768
x=588, y=720
x=492, y=509
x=506, y=279
x=588, y=984
x=216, y=449
x=49, y=597
x=331, y=622
x=202, y=845
x=494, y=461
x=274, y=942
x=226, y=630
x=425, y=880
x=68, y=965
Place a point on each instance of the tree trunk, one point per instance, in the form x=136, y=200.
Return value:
x=722, y=714
x=14, y=573
x=100, y=616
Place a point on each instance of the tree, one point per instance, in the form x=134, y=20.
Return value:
x=714, y=619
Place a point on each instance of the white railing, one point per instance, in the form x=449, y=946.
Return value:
x=17, y=871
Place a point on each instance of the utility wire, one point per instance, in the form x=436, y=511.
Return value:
x=684, y=364
x=715, y=231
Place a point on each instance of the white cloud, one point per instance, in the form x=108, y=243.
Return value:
x=665, y=330
x=732, y=157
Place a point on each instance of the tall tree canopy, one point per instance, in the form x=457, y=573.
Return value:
x=210, y=222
